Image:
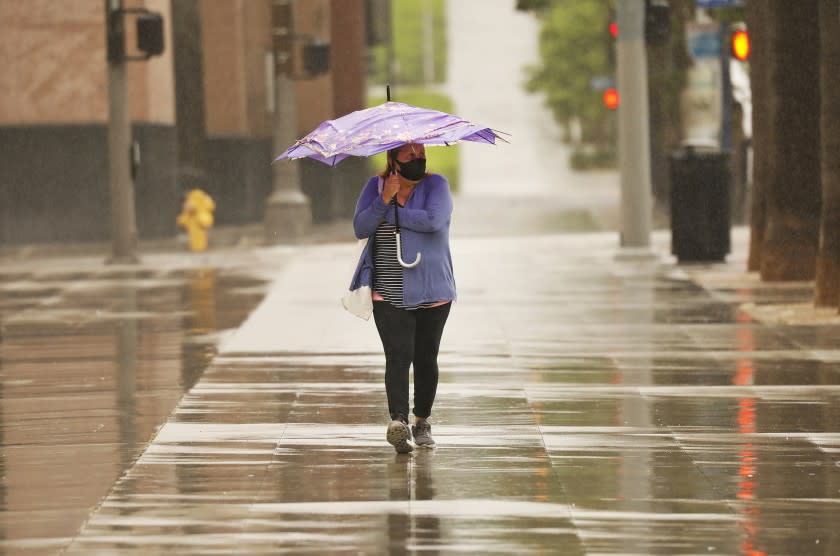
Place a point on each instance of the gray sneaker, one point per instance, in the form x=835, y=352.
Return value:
x=398, y=435
x=422, y=432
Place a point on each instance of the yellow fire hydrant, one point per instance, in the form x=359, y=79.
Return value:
x=197, y=217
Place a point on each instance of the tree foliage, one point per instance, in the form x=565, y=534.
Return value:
x=575, y=47
x=528, y=5
x=407, y=20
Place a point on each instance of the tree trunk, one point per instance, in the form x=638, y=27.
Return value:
x=757, y=20
x=828, y=259
x=791, y=235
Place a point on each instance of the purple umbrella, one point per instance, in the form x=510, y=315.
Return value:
x=384, y=127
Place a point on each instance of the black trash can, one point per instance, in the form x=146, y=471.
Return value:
x=700, y=184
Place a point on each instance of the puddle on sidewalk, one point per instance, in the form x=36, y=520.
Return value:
x=91, y=364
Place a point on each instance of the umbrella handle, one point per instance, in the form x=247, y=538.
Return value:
x=399, y=255
x=397, y=234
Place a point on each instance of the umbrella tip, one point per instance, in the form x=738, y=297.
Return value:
x=388, y=92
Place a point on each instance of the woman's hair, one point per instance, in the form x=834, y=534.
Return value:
x=389, y=162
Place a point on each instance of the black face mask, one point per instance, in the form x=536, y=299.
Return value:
x=413, y=169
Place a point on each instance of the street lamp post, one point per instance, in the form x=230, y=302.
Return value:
x=123, y=153
x=123, y=223
x=288, y=214
x=633, y=130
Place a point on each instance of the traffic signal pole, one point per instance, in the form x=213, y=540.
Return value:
x=633, y=131
x=288, y=214
x=121, y=184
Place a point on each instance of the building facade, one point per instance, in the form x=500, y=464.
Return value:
x=202, y=112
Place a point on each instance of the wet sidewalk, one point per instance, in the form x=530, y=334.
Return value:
x=586, y=406
x=93, y=358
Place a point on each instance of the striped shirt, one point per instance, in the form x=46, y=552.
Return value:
x=388, y=274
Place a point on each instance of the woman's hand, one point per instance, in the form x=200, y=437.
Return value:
x=390, y=187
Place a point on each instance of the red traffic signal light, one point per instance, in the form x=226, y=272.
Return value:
x=740, y=45
x=611, y=98
x=613, y=28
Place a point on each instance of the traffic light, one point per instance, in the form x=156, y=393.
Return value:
x=150, y=34
x=316, y=58
x=606, y=84
x=611, y=98
x=739, y=45
x=148, y=30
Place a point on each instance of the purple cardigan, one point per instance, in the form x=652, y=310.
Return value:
x=424, y=228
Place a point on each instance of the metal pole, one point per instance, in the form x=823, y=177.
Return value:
x=390, y=54
x=288, y=214
x=428, y=44
x=726, y=90
x=633, y=129
x=123, y=225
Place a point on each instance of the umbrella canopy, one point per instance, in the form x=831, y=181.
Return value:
x=384, y=127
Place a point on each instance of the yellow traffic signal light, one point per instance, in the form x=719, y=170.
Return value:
x=740, y=45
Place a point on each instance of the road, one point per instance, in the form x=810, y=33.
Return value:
x=491, y=45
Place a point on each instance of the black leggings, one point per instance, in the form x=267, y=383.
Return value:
x=410, y=337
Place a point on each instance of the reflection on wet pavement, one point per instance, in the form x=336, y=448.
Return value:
x=92, y=363
x=603, y=409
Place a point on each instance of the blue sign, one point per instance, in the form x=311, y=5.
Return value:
x=703, y=42
x=601, y=83
x=720, y=3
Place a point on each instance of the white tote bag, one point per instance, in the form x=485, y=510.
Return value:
x=359, y=301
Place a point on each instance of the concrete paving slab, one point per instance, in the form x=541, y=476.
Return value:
x=93, y=359
x=586, y=406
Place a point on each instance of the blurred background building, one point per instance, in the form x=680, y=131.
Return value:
x=201, y=112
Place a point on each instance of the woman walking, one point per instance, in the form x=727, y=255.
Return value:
x=410, y=305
